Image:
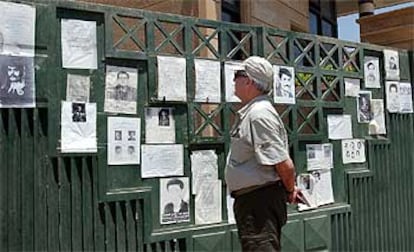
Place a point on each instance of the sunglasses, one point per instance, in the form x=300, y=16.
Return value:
x=239, y=73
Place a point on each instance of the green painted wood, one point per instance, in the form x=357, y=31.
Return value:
x=65, y=206
x=27, y=179
x=87, y=204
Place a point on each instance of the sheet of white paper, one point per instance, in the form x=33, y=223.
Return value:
x=230, y=213
x=353, y=151
x=121, y=84
x=323, y=187
x=393, y=98
x=78, y=127
x=174, y=200
x=17, y=82
x=352, y=87
x=229, y=68
x=208, y=203
x=162, y=160
x=159, y=125
x=319, y=156
x=406, y=98
x=207, y=85
x=78, y=87
x=391, y=65
x=339, y=127
x=284, y=85
x=371, y=72
x=364, y=112
x=124, y=140
x=78, y=40
x=203, y=167
x=17, y=29
x=172, y=85
x=377, y=124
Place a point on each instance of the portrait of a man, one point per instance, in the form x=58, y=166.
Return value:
x=174, y=200
x=284, y=84
x=78, y=112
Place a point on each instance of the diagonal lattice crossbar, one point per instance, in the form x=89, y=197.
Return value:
x=307, y=120
x=130, y=32
x=169, y=37
x=239, y=43
x=208, y=120
x=278, y=49
x=328, y=59
x=205, y=41
x=350, y=58
x=304, y=50
x=331, y=85
x=307, y=86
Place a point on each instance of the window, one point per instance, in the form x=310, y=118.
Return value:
x=322, y=18
x=230, y=11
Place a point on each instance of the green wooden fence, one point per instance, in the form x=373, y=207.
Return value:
x=58, y=202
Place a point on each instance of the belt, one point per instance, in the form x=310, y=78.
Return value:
x=242, y=191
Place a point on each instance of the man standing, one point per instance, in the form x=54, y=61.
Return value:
x=260, y=173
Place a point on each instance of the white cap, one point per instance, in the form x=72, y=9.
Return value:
x=260, y=71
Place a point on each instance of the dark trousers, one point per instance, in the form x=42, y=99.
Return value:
x=260, y=215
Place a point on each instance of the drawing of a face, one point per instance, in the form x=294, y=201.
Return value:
x=14, y=73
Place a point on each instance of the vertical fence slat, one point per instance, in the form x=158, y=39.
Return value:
x=65, y=206
x=87, y=205
x=27, y=179
x=14, y=192
x=3, y=180
x=76, y=203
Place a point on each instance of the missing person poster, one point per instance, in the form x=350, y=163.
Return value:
x=17, y=29
x=377, y=124
x=159, y=125
x=123, y=140
x=172, y=79
x=174, y=200
x=353, y=151
x=371, y=72
x=339, y=127
x=208, y=81
x=391, y=65
x=162, y=160
x=284, y=85
x=121, y=85
x=352, y=87
x=364, y=112
x=78, y=39
x=78, y=127
x=17, y=86
x=319, y=156
x=77, y=89
x=406, y=98
x=392, y=90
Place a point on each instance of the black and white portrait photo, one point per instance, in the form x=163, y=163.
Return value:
x=16, y=82
x=391, y=65
x=131, y=135
x=174, y=200
x=371, y=72
x=159, y=125
x=123, y=140
x=121, y=89
x=284, y=84
x=364, y=107
x=118, y=135
x=392, y=89
x=164, y=117
x=78, y=112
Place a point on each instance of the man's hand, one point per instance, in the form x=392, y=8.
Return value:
x=293, y=197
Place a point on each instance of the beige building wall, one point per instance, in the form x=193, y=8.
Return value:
x=282, y=14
